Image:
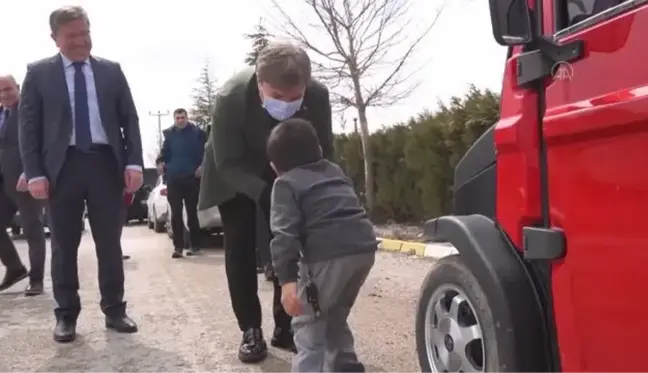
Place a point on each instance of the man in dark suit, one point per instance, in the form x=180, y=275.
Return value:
x=11, y=199
x=80, y=143
x=237, y=175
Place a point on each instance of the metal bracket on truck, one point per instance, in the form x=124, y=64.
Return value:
x=544, y=58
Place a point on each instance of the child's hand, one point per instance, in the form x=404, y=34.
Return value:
x=289, y=299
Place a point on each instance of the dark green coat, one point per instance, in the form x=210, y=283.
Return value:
x=235, y=154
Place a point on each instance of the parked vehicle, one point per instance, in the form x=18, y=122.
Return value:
x=138, y=209
x=550, y=224
x=209, y=221
x=157, y=206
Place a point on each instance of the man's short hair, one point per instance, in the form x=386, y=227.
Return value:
x=65, y=15
x=179, y=111
x=293, y=143
x=283, y=65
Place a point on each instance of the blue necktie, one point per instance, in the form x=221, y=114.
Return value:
x=4, y=116
x=81, y=112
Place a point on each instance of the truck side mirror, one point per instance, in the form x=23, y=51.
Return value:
x=511, y=21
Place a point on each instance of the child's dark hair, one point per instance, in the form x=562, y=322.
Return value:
x=293, y=143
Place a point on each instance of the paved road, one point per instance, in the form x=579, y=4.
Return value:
x=185, y=318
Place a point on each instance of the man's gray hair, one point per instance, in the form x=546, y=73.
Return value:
x=67, y=14
x=10, y=77
x=283, y=65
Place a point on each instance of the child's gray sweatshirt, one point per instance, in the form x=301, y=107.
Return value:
x=315, y=210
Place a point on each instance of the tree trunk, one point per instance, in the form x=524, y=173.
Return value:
x=368, y=159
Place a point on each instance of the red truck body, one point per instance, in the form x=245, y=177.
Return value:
x=570, y=189
x=596, y=131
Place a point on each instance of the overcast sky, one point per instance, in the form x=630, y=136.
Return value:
x=162, y=45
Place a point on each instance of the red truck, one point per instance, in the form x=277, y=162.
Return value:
x=551, y=203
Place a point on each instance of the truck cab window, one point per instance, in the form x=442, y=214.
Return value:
x=579, y=10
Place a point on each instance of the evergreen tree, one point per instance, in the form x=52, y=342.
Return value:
x=414, y=162
x=260, y=38
x=204, y=98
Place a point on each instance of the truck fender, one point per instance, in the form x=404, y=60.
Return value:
x=501, y=273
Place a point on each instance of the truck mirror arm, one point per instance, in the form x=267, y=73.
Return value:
x=543, y=55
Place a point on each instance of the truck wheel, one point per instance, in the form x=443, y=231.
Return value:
x=454, y=325
x=158, y=227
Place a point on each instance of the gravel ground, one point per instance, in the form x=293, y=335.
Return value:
x=400, y=232
x=185, y=319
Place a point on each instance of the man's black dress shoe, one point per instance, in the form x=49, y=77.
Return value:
x=122, y=324
x=34, y=288
x=177, y=253
x=193, y=251
x=283, y=338
x=65, y=331
x=253, y=348
x=12, y=277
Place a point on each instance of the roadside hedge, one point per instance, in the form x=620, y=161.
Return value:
x=414, y=161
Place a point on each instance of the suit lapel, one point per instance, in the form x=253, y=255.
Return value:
x=58, y=80
x=100, y=74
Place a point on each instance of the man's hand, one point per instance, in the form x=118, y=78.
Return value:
x=289, y=299
x=22, y=185
x=133, y=180
x=198, y=172
x=160, y=168
x=39, y=189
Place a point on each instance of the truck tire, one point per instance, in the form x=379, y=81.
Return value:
x=454, y=324
x=158, y=227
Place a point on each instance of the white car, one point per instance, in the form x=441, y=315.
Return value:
x=209, y=221
x=157, y=206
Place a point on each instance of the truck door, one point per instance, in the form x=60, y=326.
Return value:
x=596, y=130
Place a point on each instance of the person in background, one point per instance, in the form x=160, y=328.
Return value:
x=15, y=197
x=318, y=223
x=181, y=162
x=238, y=177
x=80, y=144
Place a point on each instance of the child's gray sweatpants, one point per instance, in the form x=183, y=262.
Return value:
x=325, y=344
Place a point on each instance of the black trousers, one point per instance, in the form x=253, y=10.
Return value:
x=184, y=191
x=239, y=227
x=31, y=214
x=87, y=178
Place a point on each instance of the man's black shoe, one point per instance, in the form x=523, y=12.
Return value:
x=122, y=324
x=65, y=331
x=177, y=253
x=34, y=288
x=283, y=338
x=12, y=277
x=253, y=348
x=193, y=251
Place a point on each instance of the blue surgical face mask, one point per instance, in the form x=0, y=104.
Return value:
x=281, y=110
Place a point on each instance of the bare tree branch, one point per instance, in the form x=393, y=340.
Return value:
x=366, y=61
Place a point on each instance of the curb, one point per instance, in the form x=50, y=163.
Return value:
x=422, y=249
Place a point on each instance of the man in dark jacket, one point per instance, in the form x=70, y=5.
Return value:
x=180, y=160
x=12, y=200
x=238, y=177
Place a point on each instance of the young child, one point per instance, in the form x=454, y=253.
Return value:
x=321, y=237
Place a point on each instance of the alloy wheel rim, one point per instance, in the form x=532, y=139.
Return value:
x=453, y=334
